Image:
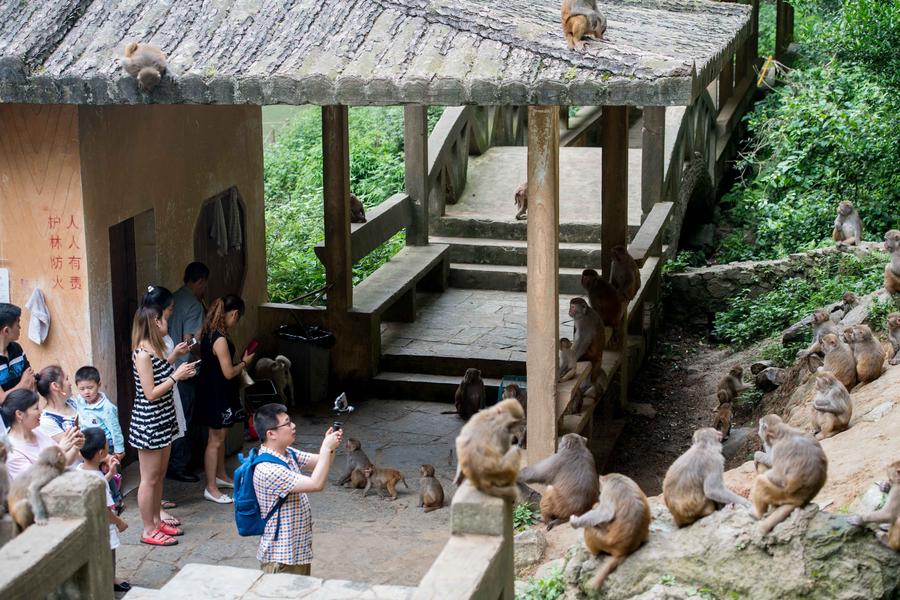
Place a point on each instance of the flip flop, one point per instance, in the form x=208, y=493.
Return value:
x=169, y=530
x=167, y=504
x=171, y=522
x=158, y=538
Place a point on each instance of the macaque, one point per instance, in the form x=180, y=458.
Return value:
x=694, y=486
x=848, y=228
x=25, y=503
x=894, y=337
x=356, y=462
x=618, y=526
x=146, y=63
x=731, y=384
x=514, y=391
x=571, y=479
x=889, y=513
x=821, y=325
x=839, y=359
x=590, y=337
x=624, y=273
x=724, y=414
x=580, y=18
x=567, y=361
x=892, y=269
x=868, y=353
x=484, y=448
x=799, y=469
x=849, y=301
x=606, y=300
x=278, y=370
x=4, y=479
x=469, y=397
x=763, y=458
x=382, y=478
x=357, y=210
x=521, y=201
x=831, y=406
x=431, y=494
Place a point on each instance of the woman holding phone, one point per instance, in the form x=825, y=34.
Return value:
x=219, y=404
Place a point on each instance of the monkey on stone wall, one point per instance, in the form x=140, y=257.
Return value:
x=892, y=269
x=848, y=227
x=25, y=503
x=485, y=453
x=146, y=63
x=580, y=18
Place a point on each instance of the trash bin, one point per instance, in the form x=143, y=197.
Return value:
x=308, y=349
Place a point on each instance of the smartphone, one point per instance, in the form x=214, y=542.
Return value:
x=251, y=347
x=337, y=426
x=75, y=423
x=193, y=343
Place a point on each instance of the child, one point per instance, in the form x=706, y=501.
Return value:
x=96, y=453
x=96, y=410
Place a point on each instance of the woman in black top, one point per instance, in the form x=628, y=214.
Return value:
x=219, y=405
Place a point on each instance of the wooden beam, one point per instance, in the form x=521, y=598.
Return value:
x=383, y=221
x=543, y=279
x=336, y=176
x=415, y=151
x=652, y=157
x=614, y=183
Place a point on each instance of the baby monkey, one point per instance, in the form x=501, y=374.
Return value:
x=431, y=494
x=383, y=479
x=580, y=18
x=146, y=63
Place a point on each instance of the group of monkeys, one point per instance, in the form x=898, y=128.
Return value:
x=791, y=469
x=848, y=229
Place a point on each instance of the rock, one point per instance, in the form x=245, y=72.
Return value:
x=877, y=413
x=528, y=547
x=871, y=501
x=770, y=378
x=735, y=441
x=811, y=554
x=860, y=312
x=704, y=238
x=758, y=366
x=546, y=569
x=796, y=332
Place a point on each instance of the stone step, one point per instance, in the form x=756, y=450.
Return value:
x=139, y=593
x=580, y=255
x=507, y=278
x=510, y=229
x=429, y=388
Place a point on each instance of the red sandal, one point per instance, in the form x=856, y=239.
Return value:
x=171, y=522
x=169, y=530
x=158, y=538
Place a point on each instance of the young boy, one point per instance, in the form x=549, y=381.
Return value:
x=96, y=453
x=15, y=372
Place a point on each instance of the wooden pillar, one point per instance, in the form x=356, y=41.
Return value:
x=780, y=30
x=614, y=195
x=543, y=279
x=652, y=157
x=753, y=42
x=415, y=144
x=336, y=176
x=726, y=81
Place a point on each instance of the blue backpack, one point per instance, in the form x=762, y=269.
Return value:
x=246, y=506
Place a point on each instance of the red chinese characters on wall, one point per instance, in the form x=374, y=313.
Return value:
x=66, y=258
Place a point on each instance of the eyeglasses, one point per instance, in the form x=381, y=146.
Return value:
x=285, y=424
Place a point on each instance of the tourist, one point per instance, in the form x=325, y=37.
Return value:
x=25, y=437
x=15, y=372
x=153, y=424
x=185, y=325
x=219, y=403
x=60, y=413
x=291, y=550
x=96, y=410
x=95, y=453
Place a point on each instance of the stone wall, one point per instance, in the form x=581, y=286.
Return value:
x=697, y=293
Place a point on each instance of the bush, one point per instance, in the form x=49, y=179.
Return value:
x=748, y=320
x=548, y=588
x=292, y=171
x=524, y=516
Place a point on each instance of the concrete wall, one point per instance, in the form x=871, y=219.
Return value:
x=168, y=159
x=42, y=238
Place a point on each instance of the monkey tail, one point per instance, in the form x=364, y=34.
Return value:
x=778, y=515
x=406, y=485
x=608, y=567
x=131, y=48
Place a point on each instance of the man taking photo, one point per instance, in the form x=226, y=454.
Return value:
x=286, y=543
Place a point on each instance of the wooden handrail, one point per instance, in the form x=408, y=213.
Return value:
x=383, y=222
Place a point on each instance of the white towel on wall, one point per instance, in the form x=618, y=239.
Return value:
x=39, y=324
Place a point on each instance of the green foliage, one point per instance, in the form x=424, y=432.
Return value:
x=524, y=515
x=751, y=397
x=830, y=133
x=878, y=312
x=292, y=171
x=748, y=320
x=549, y=588
x=683, y=260
x=784, y=356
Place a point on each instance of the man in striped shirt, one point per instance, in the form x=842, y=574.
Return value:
x=286, y=543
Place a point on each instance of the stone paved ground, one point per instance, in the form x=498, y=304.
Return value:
x=474, y=324
x=363, y=539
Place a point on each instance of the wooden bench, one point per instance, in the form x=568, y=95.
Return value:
x=390, y=292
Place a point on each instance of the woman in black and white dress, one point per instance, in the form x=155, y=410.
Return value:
x=153, y=423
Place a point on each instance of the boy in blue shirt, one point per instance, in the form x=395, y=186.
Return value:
x=96, y=410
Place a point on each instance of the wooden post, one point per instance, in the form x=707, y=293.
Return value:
x=415, y=144
x=543, y=279
x=741, y=64
x=336, y=161
x=726, y=81
x=614, y=175
x=652, y=157
x=753, y=42
x=780, y=30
